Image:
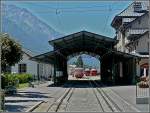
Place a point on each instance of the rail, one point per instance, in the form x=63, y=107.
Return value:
x=56, y=105
x=111, y=104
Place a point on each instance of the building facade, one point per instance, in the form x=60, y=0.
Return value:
x=39, y=70
x=131, y=27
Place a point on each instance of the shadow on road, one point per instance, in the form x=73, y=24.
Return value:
x=30, y=95
x=83, y=84
x=14, y=108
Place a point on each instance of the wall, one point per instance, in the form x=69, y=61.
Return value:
x=141, y=22
x=120, y=44
x=45, y=70
x=143, y=44
x=31, y=65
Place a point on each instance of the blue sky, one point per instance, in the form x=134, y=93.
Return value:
x=69, y=17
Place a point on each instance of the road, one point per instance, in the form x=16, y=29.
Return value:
x=79, y=96
x=82, y=96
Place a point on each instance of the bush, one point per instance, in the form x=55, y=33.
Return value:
x=14, y=79
x=24, y=78
x=10, y=79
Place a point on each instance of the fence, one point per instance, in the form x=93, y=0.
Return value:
x=142, y=92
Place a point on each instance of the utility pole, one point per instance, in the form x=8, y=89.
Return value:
x=0, y=79
x=149, y=51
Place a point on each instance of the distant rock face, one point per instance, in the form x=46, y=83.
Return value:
x=30, y=31
x=27, y=29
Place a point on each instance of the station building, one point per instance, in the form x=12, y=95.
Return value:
x=132, y=33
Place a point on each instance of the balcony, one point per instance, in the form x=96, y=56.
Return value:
x=133, y=33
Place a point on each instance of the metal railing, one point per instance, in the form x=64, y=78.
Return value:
x=142, y=92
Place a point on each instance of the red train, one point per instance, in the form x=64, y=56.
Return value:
x=93, y=72
x=78, y=72
x=87, y=72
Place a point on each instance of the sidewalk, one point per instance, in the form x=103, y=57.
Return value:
x=26, y=98
x=128, y=93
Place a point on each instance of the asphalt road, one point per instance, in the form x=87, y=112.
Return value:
x=77, y=96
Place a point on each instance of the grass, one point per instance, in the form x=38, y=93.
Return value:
x=23, y=85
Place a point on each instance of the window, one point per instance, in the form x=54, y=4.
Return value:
x=139, y=21
x=137, y=6
x=22, y=68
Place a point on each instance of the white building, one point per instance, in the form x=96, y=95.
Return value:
x=131, y=27
x=71, y=69
x=39, y=70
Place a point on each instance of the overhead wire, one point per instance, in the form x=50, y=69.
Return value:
x=76, y=11
x=57, y=15
x=107, y=18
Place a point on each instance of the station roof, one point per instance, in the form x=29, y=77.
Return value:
x=49, y=57
x=83, y=41
x=78, y=42
x=82, y=36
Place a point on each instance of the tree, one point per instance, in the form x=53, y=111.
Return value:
x=11, y=52
x=79, y=62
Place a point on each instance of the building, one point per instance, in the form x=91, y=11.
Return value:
x=70, y=69
x=39, y=70
x=131, y=27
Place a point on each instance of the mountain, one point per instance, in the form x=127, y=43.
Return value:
x=27, y=29
x=31, y=32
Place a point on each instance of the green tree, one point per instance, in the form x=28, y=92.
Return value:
x=79, y=62
x=11, y=51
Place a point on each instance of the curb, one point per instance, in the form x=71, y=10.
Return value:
x=34, y=107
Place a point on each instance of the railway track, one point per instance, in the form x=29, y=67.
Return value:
x=113, y=101
x=109, y=104
x=106, y=99
x=99, y=102
x=56, y=105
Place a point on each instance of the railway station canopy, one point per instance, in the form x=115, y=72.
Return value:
x=92, y=44
x=83, y=41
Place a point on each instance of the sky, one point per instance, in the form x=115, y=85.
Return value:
x=68, y=17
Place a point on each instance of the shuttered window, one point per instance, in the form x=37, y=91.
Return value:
x=22, y=68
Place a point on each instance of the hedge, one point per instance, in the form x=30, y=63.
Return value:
x=14, y=79
x=24, y=78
